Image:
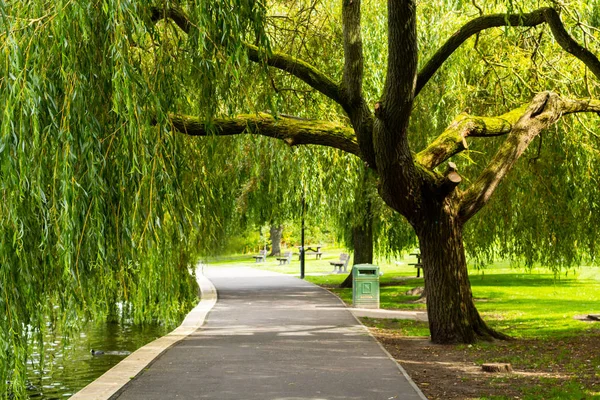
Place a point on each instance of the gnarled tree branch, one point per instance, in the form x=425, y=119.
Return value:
x=453, y=140
x=353, y=52
x=292, y=65
x=544, y=110
x=537, y=17
x=399, y=90
x=353, y=101
x=293, y=131
x=175, y=14
x=569, y=44
x=301, y=70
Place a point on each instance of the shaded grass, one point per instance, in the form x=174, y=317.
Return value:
x=573, y=359
x=546, y=368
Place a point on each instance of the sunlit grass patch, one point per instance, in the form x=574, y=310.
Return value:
x=537, y=304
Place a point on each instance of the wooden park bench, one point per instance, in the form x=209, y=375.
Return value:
x=418, y=265
x=341, y=263
x=317, y=254
x=286, y=258
x=261, y=257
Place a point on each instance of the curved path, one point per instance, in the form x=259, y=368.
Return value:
x=272, y=336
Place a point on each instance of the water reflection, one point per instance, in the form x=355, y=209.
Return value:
x=69, y=367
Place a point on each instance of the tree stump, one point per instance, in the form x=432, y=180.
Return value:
x=497, y=367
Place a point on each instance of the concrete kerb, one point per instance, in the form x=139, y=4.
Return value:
x=118, y=376
x=392, y=314
x=356, y=313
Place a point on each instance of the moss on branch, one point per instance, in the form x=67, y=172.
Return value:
x=453, y=140
x=543, y=111
x=294, y=131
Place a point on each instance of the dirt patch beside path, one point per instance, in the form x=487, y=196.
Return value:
x=543, y=369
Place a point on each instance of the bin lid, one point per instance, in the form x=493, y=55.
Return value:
x=365, y=269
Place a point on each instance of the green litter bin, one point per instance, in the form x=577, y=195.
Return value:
x=365, y=286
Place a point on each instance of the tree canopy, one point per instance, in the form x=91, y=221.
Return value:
x=470, y=115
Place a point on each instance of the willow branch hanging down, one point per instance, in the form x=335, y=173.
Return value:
x=292, y=130
x=534, y=18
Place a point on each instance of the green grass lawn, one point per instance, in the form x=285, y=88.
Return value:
x=519, y=303
x=537, y=304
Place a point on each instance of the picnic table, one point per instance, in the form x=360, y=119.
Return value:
x=311, y=250
x=418, y=265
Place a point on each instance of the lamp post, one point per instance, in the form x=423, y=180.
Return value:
x=302, y=239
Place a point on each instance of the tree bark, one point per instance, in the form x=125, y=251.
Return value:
x=362, y=229
x=276, y=232
x=452, y=315
x=362, y=239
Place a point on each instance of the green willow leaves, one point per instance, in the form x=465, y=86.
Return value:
x=94, y=213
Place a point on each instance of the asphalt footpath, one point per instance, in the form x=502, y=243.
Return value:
x=272, y=336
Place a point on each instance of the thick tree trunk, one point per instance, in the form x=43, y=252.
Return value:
x=362, y=238
x=276, y=232
x=362, y=231
x=452, y=315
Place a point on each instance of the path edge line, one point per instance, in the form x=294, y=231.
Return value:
x=400, y=367
x=121, y=374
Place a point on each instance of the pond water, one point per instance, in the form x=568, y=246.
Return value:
x=70, y=367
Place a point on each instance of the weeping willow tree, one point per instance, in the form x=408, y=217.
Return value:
x=340, y=193
x=103, y=208
x=418, y=169
x=106, y=189
x=274, y=177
